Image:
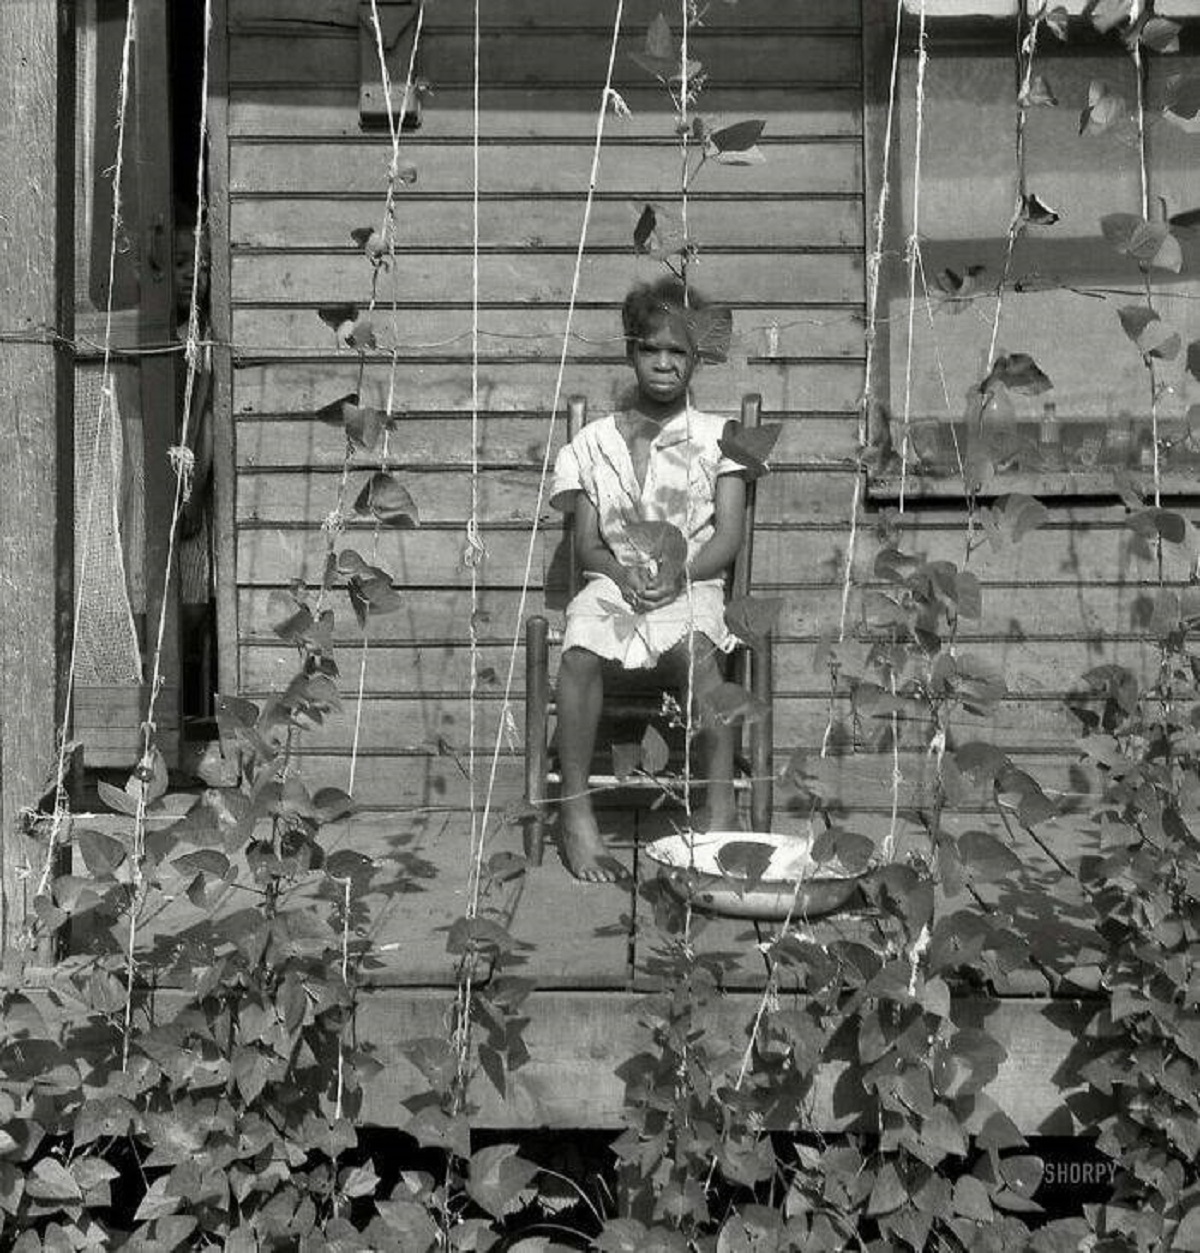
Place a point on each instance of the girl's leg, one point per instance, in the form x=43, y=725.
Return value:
x=580, y=693
x=715, y=743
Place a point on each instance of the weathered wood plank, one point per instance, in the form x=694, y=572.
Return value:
x=510, y=495
x=548, y=54
x=577, y=1041
x=440, y=278
x=537, y=331
x=518, y=223
x=35, y=424
x=646, y=169
x=503, y=441
x=449, y=14
x=523, y=386
x=328, y=110
x=853, y=783
x=1089, y=550
x=410, y=723
x=1101, y=621
x=1045, y=668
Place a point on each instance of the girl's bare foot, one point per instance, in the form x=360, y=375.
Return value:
x=583, y=846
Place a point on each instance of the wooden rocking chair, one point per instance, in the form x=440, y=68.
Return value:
x=750, y=667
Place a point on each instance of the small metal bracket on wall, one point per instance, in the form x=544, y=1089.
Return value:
x=398, y=25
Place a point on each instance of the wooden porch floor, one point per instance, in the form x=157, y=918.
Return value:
x=585, y=947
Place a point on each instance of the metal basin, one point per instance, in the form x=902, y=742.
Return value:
x=753, y=874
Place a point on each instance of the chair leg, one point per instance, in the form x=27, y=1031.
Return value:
x=537, y=713
x=762, y=740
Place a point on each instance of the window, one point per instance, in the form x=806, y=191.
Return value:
x=1065, y=283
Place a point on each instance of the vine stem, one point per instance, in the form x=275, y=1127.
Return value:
x=874, y=269
x=1026, y=50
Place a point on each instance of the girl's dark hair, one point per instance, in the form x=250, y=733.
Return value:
x=648, y=304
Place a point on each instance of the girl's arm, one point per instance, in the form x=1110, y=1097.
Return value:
x=595, y=556
x=729, y=511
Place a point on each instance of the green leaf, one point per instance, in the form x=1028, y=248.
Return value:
x=737, y=138
x=102, y=854
x=1193, y=359
x=1037, y=212
x=744, y=859
x=622, y=1235
x=748, y=1161
x=1187, y=1234
x=1056, y=20
x=888, y=1192
x=1103, y=109
x=660, y=43
x=206, y=861
x=337, y=315
x=712, y=330
x=1019, y=373
x=410, y=1223
x=1160, y=35
x=751, y=446
x=433, y=1128
x=985, y=857
x=118, y=799
x=1108, y=14
x=659, y=542
x=1151, y=522
x=654, y=751
x=1039, y=93
x=730, y=704
x=1183, y=101
x=498, y=1180
x=363, y=425
x=643, y=232
x=1150, y=243
x=1022, y=1173
x=752, y=618
x=971, y=1199
x=52, y=1182
x=358, y=1181
x=387, y=499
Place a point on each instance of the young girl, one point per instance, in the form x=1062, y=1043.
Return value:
x=657, y=461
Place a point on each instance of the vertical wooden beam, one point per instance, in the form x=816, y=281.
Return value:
x=36, y=419
x=157, y=372
x=224, y=460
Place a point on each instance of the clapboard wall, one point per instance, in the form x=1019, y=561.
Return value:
x=781, y=241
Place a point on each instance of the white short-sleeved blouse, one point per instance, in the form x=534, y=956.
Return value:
x=684, y=464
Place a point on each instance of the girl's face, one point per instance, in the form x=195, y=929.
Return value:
x=663, y=360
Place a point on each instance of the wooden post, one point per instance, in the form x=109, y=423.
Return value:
x=36, y=417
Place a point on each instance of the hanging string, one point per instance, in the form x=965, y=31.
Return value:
x=874, y=268
x=1027, y=48
x=106, y=409
x=182, y=487
x=914, y=246
x=388, y=234
x=1139, y=70
x=607, y=96
x=473, y=557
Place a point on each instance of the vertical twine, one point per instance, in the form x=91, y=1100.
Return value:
x=914, y=246
x=607, y=96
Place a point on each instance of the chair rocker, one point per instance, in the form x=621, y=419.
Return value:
x=749, y=667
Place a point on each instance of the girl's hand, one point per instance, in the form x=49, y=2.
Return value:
x=633, y=582
x=663, y=588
